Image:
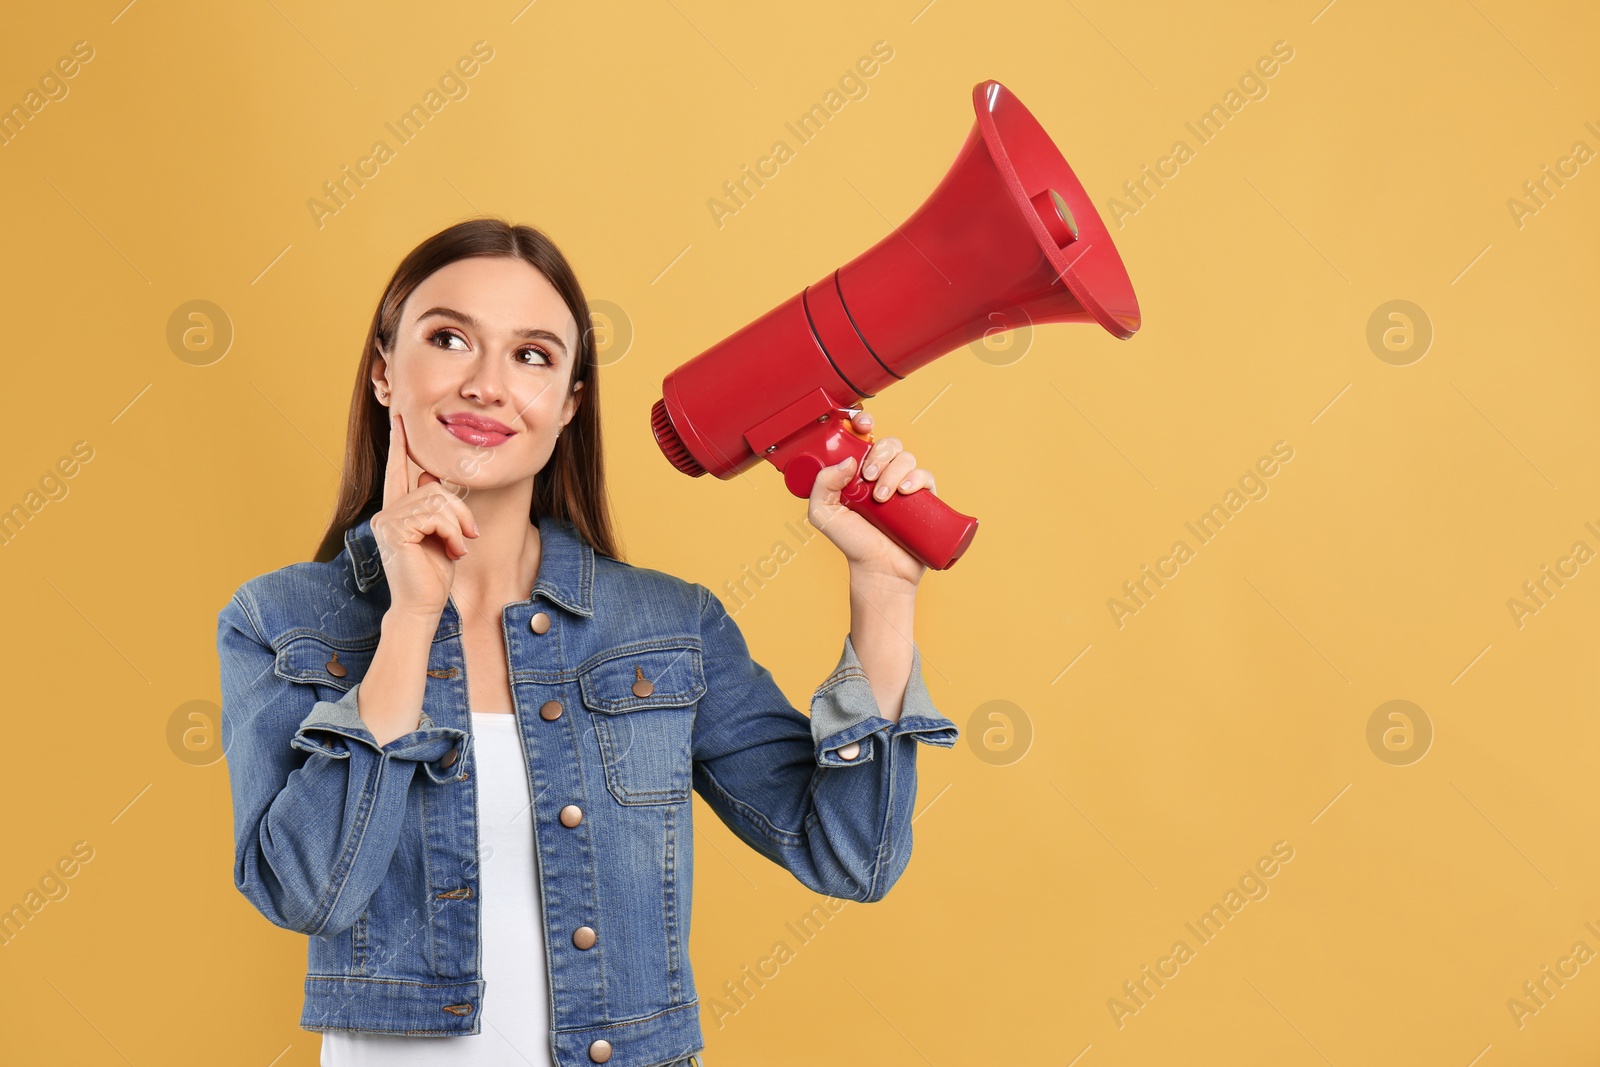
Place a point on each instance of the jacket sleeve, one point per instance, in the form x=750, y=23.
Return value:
x=841, y=826
x=318, y=805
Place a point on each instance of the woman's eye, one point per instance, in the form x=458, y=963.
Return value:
x=434, y=337
x=450, y=335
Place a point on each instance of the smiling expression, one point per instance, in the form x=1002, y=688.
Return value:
x=479, y=370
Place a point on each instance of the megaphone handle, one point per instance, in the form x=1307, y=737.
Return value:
x=918, y=522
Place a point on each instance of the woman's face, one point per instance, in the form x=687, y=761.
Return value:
x=484, y=338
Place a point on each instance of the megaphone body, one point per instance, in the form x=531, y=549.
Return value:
x=1009, y=235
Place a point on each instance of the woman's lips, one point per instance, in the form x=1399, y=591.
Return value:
x=481, y=438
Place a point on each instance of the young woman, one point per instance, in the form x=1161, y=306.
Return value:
x=462, y=740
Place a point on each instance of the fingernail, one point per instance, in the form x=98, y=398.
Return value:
x=871, y=471
x=906, y=484
x=845, y=462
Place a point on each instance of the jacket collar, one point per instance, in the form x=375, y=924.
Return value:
x=566, y=562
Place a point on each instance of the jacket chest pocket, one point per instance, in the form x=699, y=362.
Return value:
x=333, y=665
x=643, y=706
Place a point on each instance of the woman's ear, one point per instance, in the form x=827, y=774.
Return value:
x=380, y=375
x=571, y=404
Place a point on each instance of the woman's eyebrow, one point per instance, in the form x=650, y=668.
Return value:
x=467, y=320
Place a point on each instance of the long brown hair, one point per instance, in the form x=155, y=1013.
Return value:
x=571, y=485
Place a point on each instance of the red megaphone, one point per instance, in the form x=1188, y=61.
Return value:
x=1009, y=235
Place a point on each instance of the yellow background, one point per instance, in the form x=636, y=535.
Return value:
x=1230, y=713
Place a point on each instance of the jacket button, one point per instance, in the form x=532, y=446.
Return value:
x=550, y=709
x=583, y=937
x=850, y=751
x=450, y=758
x=571, y=815
x=600, y=1051
x=642, y=686
x=540, y=622
x=335, y=668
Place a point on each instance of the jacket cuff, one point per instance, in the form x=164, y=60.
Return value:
x=845, y=711
x=333, y=725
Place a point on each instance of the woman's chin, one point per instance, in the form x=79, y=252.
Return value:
x=474, y=478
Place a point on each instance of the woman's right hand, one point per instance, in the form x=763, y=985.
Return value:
x=421, y=531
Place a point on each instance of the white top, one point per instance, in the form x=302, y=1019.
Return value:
x=515, y=1024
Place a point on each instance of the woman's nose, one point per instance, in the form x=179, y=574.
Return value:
x=484, y=381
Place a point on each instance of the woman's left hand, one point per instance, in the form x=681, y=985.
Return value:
x=868, y=549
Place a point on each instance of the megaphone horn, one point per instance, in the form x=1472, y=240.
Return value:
x=1008, y=228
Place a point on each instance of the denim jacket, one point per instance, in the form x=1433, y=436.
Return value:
x=629, y=686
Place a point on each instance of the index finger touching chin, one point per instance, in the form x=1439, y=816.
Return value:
x=420, y=475
x=396, y=471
